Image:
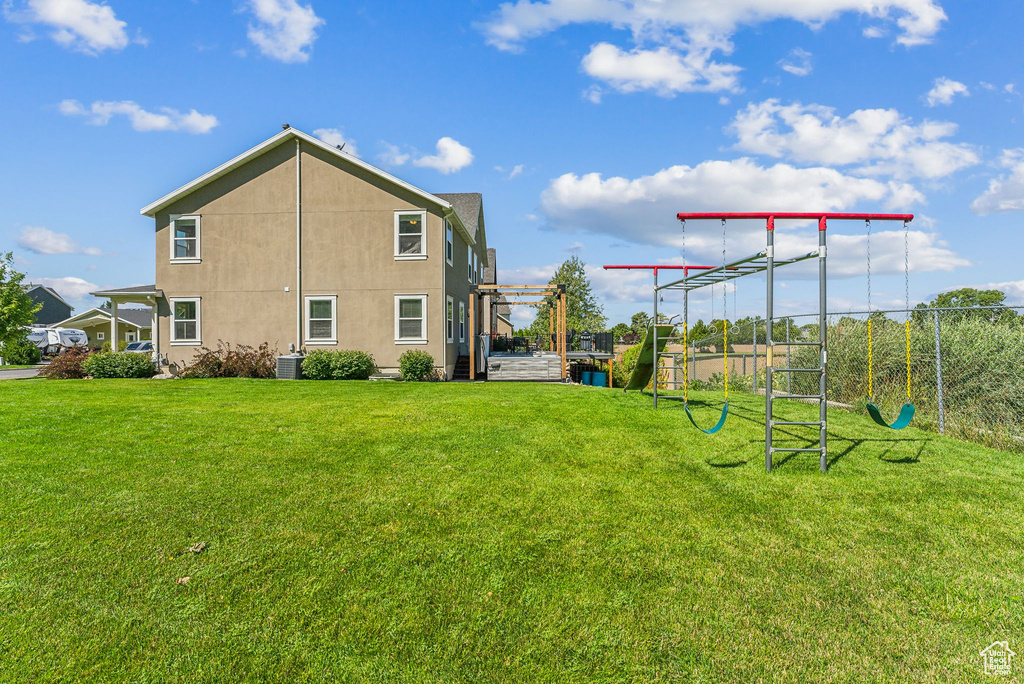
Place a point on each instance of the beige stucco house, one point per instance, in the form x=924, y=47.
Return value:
x=298, y=244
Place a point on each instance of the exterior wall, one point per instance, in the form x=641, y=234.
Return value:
x=457, y=286
x=122, y=332
x=248, y=258
x=53, y=311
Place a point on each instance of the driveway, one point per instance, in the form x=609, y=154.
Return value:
x=19, y=374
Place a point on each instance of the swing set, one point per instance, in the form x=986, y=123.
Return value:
x=766, y=262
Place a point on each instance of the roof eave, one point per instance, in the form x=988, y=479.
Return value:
x=225, y=168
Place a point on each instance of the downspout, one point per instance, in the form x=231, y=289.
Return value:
x=298, y=245
x=444, y=293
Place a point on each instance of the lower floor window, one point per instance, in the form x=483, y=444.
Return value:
x=322, y=319
x=185, y=325
x=101, y=336
x=462, y=321
x=410, y=318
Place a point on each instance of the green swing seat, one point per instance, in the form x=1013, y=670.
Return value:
x=718, y=425
x=902, y=421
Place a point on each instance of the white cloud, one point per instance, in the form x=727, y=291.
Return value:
x=334, y=136
x=69, y=287
x=1005, y=193
x=44, y=241
x=944, y=90
x=284, y=30
x=797, y=63
x=642, y=210
x=1014, y=290
x=165, y=119
x=517, y=170
x=451, y=156
x=664, y=71
x=874, y=32
x=687, y=32
x=392, y=155
x=89, y=27
x=880, y=141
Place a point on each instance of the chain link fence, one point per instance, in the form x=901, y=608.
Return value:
x=966, y=366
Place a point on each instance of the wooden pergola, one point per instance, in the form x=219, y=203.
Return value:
x=556, y=314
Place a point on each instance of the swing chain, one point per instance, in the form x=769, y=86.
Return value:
x=868, y=224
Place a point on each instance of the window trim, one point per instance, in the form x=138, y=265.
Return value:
x=333, y=299
x=423, y=235
x=449, y=243
x=469, y=263
x=449, y=318
x=101, y=336
x=462, y=322
x=198, y=341
x=199, y=239
x=423, y=319
x=476, y=269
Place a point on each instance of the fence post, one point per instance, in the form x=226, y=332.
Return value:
x=789, y=362
x=755, y=356
x=938, y=373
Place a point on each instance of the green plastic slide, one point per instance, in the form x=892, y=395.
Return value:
x=644, y=368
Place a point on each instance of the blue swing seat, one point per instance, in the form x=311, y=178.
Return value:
x=718, y=426
x=902, y=421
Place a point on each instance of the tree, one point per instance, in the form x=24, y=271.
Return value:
x=619, y=330
x=17, y=310
x=582, y=313
x=969, y=297
x=639, y=322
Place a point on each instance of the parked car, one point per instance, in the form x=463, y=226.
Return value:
x=143, y=347
x=59, y=340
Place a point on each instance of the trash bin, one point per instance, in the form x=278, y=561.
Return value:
x=586, y=378
x=599, y=379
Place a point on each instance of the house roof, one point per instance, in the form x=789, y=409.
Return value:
x=468, y=206
x=28, y=287
x=294, y=133
x=135, y=289
x=140, y=318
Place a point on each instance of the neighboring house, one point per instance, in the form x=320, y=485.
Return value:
x=54, y=310
x=299, y=244
x=501, y=314
x=132, y=325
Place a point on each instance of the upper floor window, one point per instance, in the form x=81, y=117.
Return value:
x=411, y=235
x=185, y=321
x=449, y=244
x=185, y=239
x=469, y=263
x=321, y=319
x=476, y=269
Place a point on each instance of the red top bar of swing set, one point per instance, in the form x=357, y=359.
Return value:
x=685, y=269
x=821, y=217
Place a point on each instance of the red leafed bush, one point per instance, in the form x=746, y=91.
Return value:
x=67, y=366
x=242, y=361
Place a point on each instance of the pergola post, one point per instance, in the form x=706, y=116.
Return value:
x=472, y=335
x=563, y=333
x=114, y=346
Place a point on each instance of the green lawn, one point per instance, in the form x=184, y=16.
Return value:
x=15, y=366
x=441, y=532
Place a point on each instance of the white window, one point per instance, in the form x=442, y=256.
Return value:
x=101, y=336
x=462, y=321
x=450, y=319
x=186, y=326
x=476, y=270
x=322, y=319
x=449, y=244
x=410, y=235
x=411, y=319
x=129, y=336
x=185, y=239
x=469, y=263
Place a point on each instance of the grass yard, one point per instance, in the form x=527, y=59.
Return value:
x=15, y=366
x=441, y=532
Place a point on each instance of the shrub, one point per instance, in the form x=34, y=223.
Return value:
x=623, y=368
x=347, y=364
x=119, y=365
x=416, y=366
x=121, y=346
x=20, y=352
x=67, y=366
x=224, y=362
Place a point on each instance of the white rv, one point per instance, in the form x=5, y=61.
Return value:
x=61, y=339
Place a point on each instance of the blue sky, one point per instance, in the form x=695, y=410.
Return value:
x=587, y=124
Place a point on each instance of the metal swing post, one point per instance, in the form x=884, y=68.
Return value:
x=654, y=327
x=823, y=341
x=769, y=313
